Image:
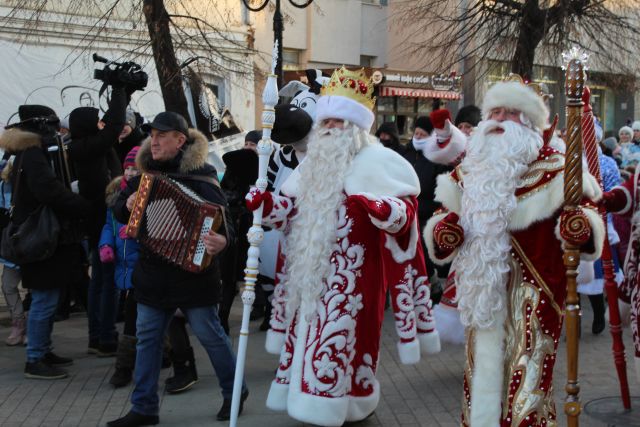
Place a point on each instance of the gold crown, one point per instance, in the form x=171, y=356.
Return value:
x=350, y=84
x=539, y=88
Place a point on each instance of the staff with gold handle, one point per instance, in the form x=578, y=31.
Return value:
x=574, y=86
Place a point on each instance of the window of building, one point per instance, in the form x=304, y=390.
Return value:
x=290, y=59
x=367, y=61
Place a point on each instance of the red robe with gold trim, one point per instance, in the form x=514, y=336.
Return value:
x=536, y=292
x=326, y=374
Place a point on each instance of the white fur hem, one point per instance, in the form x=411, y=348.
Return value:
x=361, y=407
x=409, y=352
x=274, y=342
x=324, y=411
x=637, y=360
x=427, y=234
x=448, y=324
x=486, y=382
x=429, y=342
x=277, y=397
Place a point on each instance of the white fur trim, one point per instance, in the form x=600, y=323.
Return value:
x=341, y=107
x=381, y=172
x=429, y=342
x=361, y=407
x=627, y=195
x=409, y=352
x=397, y=253
x=517, y=96
x=637, y=360
x=445, y=156
x=427, y=235
x=274, y=342
x=277, y=397
x=397, y=218
x=448, y=324
x=449, y=193
x=319, y=410
x=488, y=375
x=597, y=234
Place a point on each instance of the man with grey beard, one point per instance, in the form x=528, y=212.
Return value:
x=502, y=226
x=349, y=215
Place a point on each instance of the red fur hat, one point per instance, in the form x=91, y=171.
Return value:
x=438, y=117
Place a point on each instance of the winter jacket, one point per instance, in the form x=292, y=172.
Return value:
x=126, y=250
x=38, y=185
x=156, y=282
x=94, y=158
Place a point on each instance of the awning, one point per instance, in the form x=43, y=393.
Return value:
x=418, y=93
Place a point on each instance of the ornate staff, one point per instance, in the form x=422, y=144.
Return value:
x=255, y=234
x=591, y=154
x=574, y=85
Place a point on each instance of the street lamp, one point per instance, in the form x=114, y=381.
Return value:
x=278, y=26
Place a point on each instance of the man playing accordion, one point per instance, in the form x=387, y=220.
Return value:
x=175, y=151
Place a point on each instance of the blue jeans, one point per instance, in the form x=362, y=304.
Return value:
x=102, y=301
x=151, y=327
x=40, y=322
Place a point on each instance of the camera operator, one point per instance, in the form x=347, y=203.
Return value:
x=92, y=152
x=38, y=185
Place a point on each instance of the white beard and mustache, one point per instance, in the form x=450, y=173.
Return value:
x=312, y=237
x=492, y=169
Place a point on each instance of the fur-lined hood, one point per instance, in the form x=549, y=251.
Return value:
x=194, y=154
x=15, y=140
x=112, y=191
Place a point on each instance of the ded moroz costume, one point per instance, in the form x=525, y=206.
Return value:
x=337, y=270
x=503, y=227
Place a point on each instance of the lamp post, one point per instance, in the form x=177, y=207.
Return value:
x=278, y=26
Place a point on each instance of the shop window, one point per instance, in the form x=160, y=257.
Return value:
x=425, y=106
x=290, y=59
x=386, y=104
x=406, y=105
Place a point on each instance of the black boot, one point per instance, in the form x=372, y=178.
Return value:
x=597, y=303
x=133, y=419
x=225, y=412
x=125, y=361
x=184, y=372
x=265, y=325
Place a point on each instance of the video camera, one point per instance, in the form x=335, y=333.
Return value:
x=128, y=74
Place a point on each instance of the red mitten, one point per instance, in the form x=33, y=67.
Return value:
x=122, y=232
x=106, y=254
x=611, y=201
x=255, y=198
x=574, y=227
x=439, y=117
x=377, y=208
x=448, y=234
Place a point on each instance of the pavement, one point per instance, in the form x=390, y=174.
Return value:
x=426, y=394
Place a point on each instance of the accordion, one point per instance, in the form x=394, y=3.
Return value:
x=170, y=220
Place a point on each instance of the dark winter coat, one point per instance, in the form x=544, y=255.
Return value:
x=126, y=250
x=156, y=282
x=134, y=139
x=94, y=158
x=38, y=185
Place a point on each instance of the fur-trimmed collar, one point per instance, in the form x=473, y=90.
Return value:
x=15, y=140
x=536, y=203
x=194, y=155
x=112, y=191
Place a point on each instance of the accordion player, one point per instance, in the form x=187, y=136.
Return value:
x=170, y=220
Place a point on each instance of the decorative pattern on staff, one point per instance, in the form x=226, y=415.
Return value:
x=590, y=146
x=255, y=234
x=575, y=61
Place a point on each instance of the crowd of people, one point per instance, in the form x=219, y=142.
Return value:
x=459, y=231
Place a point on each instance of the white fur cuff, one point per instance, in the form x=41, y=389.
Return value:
x=597, y=233
x=429, y=342
x=274, y=342
x=277, y=397
x=409, y=352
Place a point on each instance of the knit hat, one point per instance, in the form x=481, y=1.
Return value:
x=520, y=97
x=625, y=129
x=469, y=114
x=130, y=159
x=610, y=143
x=636, y=125
x=83, y=121
x=424, y=123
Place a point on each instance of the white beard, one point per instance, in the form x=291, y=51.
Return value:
x=492, y=169
x=312, y=238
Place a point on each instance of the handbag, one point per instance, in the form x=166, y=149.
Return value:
x=35, y=239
